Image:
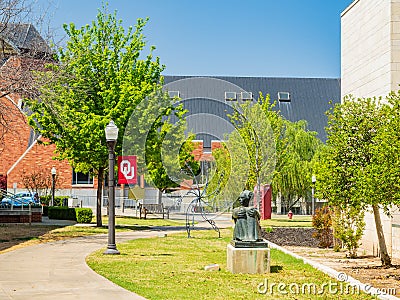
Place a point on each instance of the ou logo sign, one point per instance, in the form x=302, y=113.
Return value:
x=127, y=169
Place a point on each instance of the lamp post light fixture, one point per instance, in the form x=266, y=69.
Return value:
x=111, y=138
x=313, y=181
x=53, y=184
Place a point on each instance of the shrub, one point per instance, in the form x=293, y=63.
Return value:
x=58, y=200
x=322, y=222
x=84, y=215
x=62, y=213
x=349, y=226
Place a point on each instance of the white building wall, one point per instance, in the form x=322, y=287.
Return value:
x=365, y=48
x=369, y=241
x=395, y=228
x=370, y=67
x=395, y=44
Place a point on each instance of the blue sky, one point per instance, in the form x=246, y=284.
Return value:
x=285, y=38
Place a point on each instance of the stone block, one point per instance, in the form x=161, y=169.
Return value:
x=248, y=260
x=212, y=267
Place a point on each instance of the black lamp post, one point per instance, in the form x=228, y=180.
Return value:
x=111, y=137
x=53, y=184
x=313, y=181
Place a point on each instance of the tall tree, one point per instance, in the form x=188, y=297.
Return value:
x=265, y=149
x=99, y=76
x=296, y=149
x=155, y=133
x=251, y=147
x=360, y=165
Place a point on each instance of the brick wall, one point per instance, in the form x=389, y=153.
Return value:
x=15, y=133
x=215, y=145
x=39, y=159
x=22, y=217
x=198, y=149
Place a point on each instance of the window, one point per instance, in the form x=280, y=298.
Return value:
x=20, y=104
x=284, y=96
x=230, y=96
x=173, y=94
x=81, y=178
x=247, y=95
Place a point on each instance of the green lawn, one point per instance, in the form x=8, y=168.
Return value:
x=141, y=223
x=173, y=268
x=283, y=221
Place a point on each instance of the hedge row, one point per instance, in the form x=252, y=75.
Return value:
x=58, y=200
x=81, y=215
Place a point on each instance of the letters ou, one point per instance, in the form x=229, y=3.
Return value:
x=127, y=169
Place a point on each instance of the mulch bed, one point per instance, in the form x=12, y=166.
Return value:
x=291, y=236
x=367, y=269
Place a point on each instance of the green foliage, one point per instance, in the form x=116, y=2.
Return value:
x=164, y=166
x=220, y=175
x=98, y=76
x=62, y=213
x=322, y=222
x=58, y=200
x=81, y=215
x=352, y=132
x=349, y=226
x=156, y=135
x=360, y=165
x=265, y=149
x=296, y=148
x=253, y=142
x=84, y=215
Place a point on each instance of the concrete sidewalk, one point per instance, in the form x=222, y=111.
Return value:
x=58, y=271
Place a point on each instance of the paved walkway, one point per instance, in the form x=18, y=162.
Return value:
x=58, y=270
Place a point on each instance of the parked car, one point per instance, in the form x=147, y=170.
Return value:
x=19, y=199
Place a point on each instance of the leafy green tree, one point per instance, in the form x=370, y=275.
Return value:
x=219, y=176
x=296, y=148
x=99, y=76
x=251, y=148
x=155, y=133
x=360, y=163
x=267, y=148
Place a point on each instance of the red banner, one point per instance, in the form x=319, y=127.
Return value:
x=127, y=169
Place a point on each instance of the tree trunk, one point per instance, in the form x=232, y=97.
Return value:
x=159, y=197
x=100, y=179
x=385, y=258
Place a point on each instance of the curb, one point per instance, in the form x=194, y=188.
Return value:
x=340, y=276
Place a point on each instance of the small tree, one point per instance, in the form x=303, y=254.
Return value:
x=322, y=222
x=360, y=163
x=220, y=175
x=349, y=226
x=38, y=181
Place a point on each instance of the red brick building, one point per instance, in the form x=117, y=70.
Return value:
x=21, y=153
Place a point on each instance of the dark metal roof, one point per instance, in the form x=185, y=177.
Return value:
x=23, y=37
x=309, y=97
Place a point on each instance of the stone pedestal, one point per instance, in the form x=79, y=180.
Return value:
x=248, y=260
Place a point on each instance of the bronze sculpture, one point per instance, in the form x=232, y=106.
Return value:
x=247, y=232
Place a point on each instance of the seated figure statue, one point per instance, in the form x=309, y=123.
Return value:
x=247, y=220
